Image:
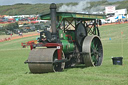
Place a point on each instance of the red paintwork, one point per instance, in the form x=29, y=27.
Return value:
x=28, y=43
x=70, y=38
x=59, y=51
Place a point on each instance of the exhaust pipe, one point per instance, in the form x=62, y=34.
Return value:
x=53, y=17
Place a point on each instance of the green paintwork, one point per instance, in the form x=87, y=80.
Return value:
x=62, y=35
x=70, y=16
x=67, y=46
x=67, y=42
x=71, y=33
x=94, y=47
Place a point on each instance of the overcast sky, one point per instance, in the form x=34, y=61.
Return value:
x=10, y=2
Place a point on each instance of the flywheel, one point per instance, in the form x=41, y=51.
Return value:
x=80, y=33
x=92, y=47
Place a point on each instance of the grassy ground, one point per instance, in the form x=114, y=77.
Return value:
x=13, y=71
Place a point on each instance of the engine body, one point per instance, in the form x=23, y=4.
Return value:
x=74, y=39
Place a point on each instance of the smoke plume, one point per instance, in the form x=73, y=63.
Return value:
x=77, y=8
x=97, y=9
x=81, y=7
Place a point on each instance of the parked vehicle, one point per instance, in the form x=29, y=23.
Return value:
x=24, y=30
x=111, y=20
x=16, y=31
x=8, y=32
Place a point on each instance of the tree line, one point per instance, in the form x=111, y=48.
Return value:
x=21, y=8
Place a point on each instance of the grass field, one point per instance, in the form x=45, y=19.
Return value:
x=13, y=71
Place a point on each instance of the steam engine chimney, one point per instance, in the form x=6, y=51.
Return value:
x=53, y=18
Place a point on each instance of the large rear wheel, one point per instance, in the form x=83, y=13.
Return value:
x=93, y=49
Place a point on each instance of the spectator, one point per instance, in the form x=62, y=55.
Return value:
x=11, y=34
x=38, y=31
x=21, y=34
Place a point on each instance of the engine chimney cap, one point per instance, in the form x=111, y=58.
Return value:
x=53, y=6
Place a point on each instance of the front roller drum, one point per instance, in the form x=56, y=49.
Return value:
x=41, y=60
x=93, y=49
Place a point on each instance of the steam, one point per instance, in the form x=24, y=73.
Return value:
x=97, y=9
x=77, y=8
x=81, y=7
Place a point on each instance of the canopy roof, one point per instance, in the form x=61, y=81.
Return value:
x=71, y=15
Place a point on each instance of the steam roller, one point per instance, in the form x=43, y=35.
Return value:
x=74, y=39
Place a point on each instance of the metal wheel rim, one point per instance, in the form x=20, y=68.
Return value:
x=45, y=55
x=94, y=54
